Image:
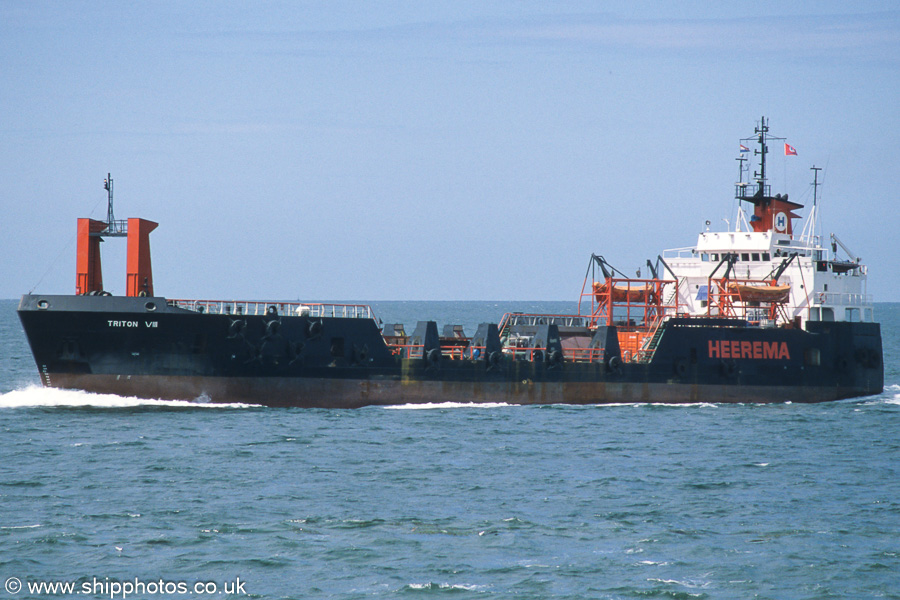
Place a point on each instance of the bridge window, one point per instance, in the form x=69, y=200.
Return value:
x=745, y=256
x=756, y=257
x=851, y=314
x=766, y=256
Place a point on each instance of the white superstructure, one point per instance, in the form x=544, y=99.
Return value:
x=729, y=273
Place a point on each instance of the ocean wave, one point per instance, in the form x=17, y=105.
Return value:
x=418, y=587
x=448, y=405
x=37, y=396
x=693, y=584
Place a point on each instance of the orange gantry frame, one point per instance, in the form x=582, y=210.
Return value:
x=88, y=271
x=746, y=298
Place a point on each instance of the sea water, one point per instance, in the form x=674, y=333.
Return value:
x=126, y=498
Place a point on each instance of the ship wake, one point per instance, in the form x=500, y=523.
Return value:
x=41, y=397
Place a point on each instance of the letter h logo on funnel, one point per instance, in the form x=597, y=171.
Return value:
x=780, y=222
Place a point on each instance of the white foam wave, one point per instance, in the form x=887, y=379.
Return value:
x=679, y=404
x=36, y=396
x=895, y=390
x=444, y=586
x=894, y=400
x=686, y=583
x=890, y=395
x=431, y=405
x=643, y=405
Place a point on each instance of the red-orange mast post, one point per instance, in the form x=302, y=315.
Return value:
x=139, y=280
x=88, y=272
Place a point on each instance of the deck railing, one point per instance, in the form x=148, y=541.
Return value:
x=844, y=299
x=298, y=309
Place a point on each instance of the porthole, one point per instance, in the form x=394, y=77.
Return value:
x=150, y=306
x=43, y=304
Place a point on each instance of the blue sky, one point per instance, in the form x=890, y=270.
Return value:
x=430, y=150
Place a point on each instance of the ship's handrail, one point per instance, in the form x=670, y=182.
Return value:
x=746, y=190
x=686, y=252
x=256, y=307
x=844, y=299
x=116, y=227
x=781, y=248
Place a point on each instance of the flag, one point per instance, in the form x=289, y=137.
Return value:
x=744, y=149
x=789, y=150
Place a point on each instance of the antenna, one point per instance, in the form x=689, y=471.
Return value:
x=113, y=227
x=762, y=130
x=741, y=189
x=816, y=184
x=741, y=160
x=809, y=229
x=814, y=212
x=761, y=137
x=108, y=186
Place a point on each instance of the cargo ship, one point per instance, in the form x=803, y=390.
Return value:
x=759, y=313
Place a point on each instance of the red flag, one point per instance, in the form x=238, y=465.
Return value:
x=789, y=150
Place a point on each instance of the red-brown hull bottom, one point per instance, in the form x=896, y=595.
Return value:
x=344, y=393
